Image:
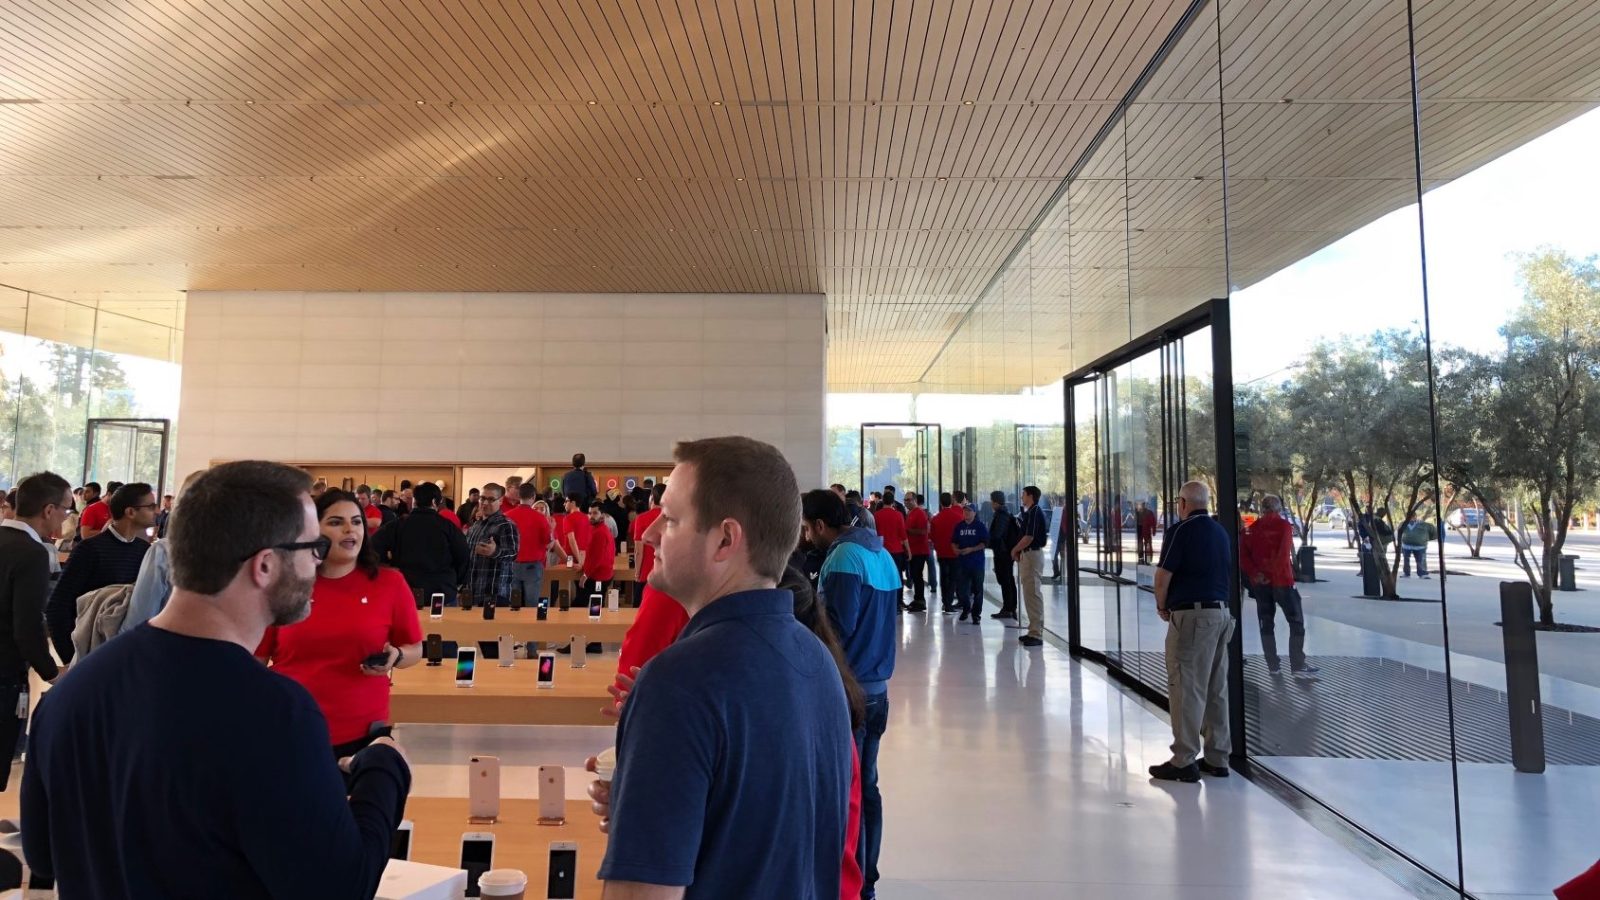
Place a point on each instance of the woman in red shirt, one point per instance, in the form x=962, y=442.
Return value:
x=358, y=610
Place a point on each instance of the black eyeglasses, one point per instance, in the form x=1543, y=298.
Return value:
x=319, y=548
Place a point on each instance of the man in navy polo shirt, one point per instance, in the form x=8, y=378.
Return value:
x=1193, y=583
x=734, y=747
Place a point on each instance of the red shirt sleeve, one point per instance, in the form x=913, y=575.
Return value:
x=656, y=626
x=95, y=516
x=405, y=627
x=1584, y=887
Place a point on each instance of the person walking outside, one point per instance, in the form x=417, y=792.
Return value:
x=1144, y=519
x=1028, y=554
x=1193, y=581
x=1265, y=551
x=1415, y=535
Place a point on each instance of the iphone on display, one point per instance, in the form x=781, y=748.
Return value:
x=466, y=663
x=595, y=602
x=508, y=651
x=477, y=857
x=580, y=651
x=483, y=792
x=547, y=670
x=436, y=607
x=552, y=795
x=563, y=884
x=544, y=608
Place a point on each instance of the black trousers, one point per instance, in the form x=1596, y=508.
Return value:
x=902, y=562
x=10, y=726
x=919, y=568
x=1005, y=575
x=947, y=582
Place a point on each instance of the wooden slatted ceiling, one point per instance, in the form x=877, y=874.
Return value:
x=724, y=145
x=647, y=145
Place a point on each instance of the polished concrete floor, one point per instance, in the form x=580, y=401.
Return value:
x=1013, y=773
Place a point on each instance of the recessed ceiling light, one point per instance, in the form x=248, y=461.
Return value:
x=638, y=178
x=591, y=102
x=942, y=178
x=966, y=103
x=716, y=103
x=499, y=178
x=249, y=103
x=422, y=103
x=740, y=178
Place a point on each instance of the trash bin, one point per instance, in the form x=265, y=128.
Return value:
x=1568, y=580
x=1306, y=565
x=1371, y=583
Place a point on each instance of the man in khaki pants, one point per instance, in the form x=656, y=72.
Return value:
x=1029, y=555
x=1193, y=581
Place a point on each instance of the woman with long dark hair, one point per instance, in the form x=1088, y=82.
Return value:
x=360, y=611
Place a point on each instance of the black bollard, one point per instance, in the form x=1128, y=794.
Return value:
x=1522, y=677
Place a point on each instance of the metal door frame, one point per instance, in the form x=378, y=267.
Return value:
x=937, y=451
x=162, y=427
x=1215, y=314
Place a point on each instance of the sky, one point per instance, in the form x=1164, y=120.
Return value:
x=1546, y=192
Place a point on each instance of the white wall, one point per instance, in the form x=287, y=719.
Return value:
x=472, y=377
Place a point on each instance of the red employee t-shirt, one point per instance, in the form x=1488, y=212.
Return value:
x=95, y=516
x=351, y=619
x=533, y=533
x=919, y=544
x=892, y=528
x=600, y=556
x=575, y=523
x=943, y=531
x=647, y=553
x=449, y=515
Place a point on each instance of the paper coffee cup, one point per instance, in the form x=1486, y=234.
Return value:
x=507, y=884
x=605, y=764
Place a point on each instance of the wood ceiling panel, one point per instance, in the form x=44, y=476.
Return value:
x=890, y=155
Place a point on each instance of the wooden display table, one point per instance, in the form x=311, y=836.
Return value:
x=505, y=696
x=520, y=842
x=556, y=577
x=468, y=626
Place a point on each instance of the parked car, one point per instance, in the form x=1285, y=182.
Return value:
x=1467, y=517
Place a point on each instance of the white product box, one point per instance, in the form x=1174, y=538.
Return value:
x=404, y=880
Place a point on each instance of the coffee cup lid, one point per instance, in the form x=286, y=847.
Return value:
x=503, y=878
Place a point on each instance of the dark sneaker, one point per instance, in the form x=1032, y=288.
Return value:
x=1029, y=640
x=1214, y=771
x=963, y=618
x=1002, y=614
x=1275, y=668
x=1303, y=671
x=917, y=607
x=1168, y=772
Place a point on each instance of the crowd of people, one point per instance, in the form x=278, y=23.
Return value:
x=170, y=736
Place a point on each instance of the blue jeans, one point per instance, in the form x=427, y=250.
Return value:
x=531, y=576
x=970, y=591
x=871, y=841
x=1421, y=555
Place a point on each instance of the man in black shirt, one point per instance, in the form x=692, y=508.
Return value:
x=1028, y=553
x=111, y=557
x=173, y=764
x=1003, y=533
x=26, y=560
x=427, y=548
x=1194, y=581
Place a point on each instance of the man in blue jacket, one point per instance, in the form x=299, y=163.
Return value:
x=860, y=587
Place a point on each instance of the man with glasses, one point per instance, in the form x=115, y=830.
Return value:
x=27, y=558
x=493, y=541
x=173, y=764
x=1194, y=581
x=111, y=557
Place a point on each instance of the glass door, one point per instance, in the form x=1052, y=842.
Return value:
x=1136, y=423
x=907, y=455
x=964, y=466
x=127, y=450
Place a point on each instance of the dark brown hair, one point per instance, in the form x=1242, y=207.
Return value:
x=808, y=612
x=750, y=482
x=231, y=513
x=367, y=556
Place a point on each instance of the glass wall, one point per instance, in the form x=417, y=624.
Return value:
x=63, y=363
x=1388, y=208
